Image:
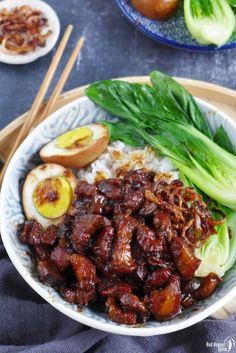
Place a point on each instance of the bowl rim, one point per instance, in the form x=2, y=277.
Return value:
x=169, y=42
x=39, y=52
x=79, y=316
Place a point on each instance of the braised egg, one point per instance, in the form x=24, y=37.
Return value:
x=156, y=9
x=77, y=148
x=48, y=192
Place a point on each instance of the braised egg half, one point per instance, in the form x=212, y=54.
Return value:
x=48, y=192
x=77, y=148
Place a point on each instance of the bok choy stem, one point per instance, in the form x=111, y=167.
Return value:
x=209, y=21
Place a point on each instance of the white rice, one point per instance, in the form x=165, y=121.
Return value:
x=119, y=158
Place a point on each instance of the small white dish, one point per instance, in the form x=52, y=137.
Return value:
x=81, y=112
x=53, y=25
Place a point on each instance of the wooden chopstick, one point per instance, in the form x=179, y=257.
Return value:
x=61, y=83
x=39, y=98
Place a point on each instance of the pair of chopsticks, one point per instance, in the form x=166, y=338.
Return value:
x=36, y=114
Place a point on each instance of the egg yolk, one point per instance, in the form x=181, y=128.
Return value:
x=74, y=138
x=52, y=197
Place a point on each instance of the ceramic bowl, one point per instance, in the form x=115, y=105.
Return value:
x=80, y=112
x=53, y=25
x=172, y=32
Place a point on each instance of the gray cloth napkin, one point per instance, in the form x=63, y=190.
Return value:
x=29, y=325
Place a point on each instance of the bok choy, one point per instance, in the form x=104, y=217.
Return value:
x=208, y=166
x=210, y=21
x=218, y=254
x=173, y=126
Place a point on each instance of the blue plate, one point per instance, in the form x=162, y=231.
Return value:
x=172, y=32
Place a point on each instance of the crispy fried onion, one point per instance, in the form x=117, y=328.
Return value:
x=21, y=30
x=189, y=214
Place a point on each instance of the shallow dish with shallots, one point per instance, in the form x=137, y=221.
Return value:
x=29, y=29
x=121, y=213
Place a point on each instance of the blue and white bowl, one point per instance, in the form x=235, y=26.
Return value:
x=172, y=32
x=79, y=112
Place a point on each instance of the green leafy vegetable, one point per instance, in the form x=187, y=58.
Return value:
x=214, y=253
x=218, y=254
x=208, y=166
x=130, y=100
x=166, y=86
x=232, y=3
x=166, y=100
x=233, y=36
x=165, y=125
x=120, y=131
x=222, y=139
x=231, y=222
x=210, y=21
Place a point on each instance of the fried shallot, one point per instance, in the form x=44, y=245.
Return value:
x=22, y=30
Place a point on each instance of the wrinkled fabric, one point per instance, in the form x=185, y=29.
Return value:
x=29, y=325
